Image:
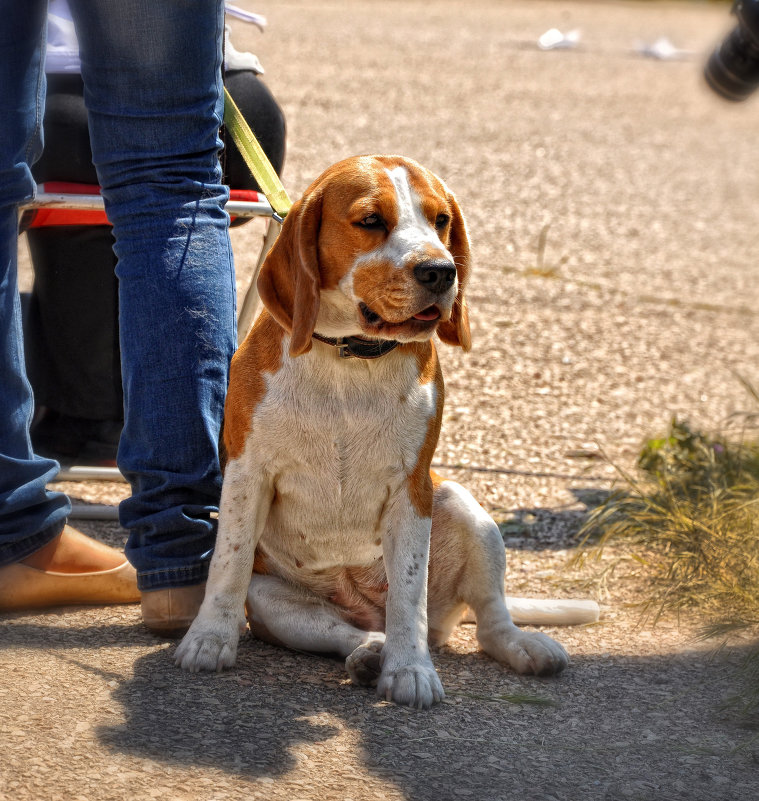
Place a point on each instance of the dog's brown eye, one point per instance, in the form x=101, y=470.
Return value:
x=441, y=221
x=372, y=221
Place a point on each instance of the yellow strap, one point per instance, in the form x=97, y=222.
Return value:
x=255, y=157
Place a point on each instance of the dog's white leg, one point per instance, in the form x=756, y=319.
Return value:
x=467, y=567
x=211, y=642
x=297, y=618
x=408, y=675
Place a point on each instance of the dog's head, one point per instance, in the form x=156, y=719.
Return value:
x=376, y=247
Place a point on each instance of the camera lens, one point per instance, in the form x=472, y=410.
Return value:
x=733, y=69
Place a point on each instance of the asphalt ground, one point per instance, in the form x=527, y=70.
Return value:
x=612, y=203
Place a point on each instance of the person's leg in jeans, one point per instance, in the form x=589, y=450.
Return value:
x=42, y=562
x=71, y=322
x=152, y=75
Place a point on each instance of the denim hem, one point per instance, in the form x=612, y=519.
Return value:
x=165, y=578
x=18, y=551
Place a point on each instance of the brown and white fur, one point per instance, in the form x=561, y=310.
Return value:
x=354, y=546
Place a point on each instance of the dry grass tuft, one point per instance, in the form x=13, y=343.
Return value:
x=692, y=514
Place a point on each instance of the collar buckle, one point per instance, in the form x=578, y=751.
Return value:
x=343, y=348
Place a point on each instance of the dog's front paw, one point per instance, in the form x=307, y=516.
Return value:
x=210, y=644
x=415, y=685
x=536, y=653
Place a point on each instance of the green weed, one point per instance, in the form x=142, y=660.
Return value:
x=691, y=511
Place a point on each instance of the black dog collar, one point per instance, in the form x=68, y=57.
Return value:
x=359, y=348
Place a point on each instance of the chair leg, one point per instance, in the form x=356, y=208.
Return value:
x=250, y=303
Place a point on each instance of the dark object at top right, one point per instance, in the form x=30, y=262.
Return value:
x=733, y=68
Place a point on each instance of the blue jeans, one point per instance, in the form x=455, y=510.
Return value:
x=152, y=75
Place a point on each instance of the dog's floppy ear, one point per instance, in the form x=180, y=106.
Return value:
x=289, y=282
x=456, y=330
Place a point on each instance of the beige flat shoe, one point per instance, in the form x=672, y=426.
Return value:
x=170, y=612
x=25, y=587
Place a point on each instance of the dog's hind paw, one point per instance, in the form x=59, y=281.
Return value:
x=208, y=646
x=529, y=652
x=417, y=686
x=537, y=653
x=364, y=664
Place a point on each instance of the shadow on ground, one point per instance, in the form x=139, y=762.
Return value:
x=540, y=528
x=611, y=727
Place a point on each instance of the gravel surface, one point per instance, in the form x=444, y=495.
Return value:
x=612, y=205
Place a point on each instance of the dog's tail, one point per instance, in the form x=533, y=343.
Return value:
x=545, y=612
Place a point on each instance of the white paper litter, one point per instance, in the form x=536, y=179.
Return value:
x=662, y=49
x=554, y=39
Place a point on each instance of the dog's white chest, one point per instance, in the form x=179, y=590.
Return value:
x=338, y=448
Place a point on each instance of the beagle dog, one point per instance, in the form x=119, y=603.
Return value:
x=335, y=402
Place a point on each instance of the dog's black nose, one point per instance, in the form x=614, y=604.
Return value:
x=437, y=275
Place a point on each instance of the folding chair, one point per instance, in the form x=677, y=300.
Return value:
x=61, y=203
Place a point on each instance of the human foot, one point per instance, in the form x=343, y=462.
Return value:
x=72, y=569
